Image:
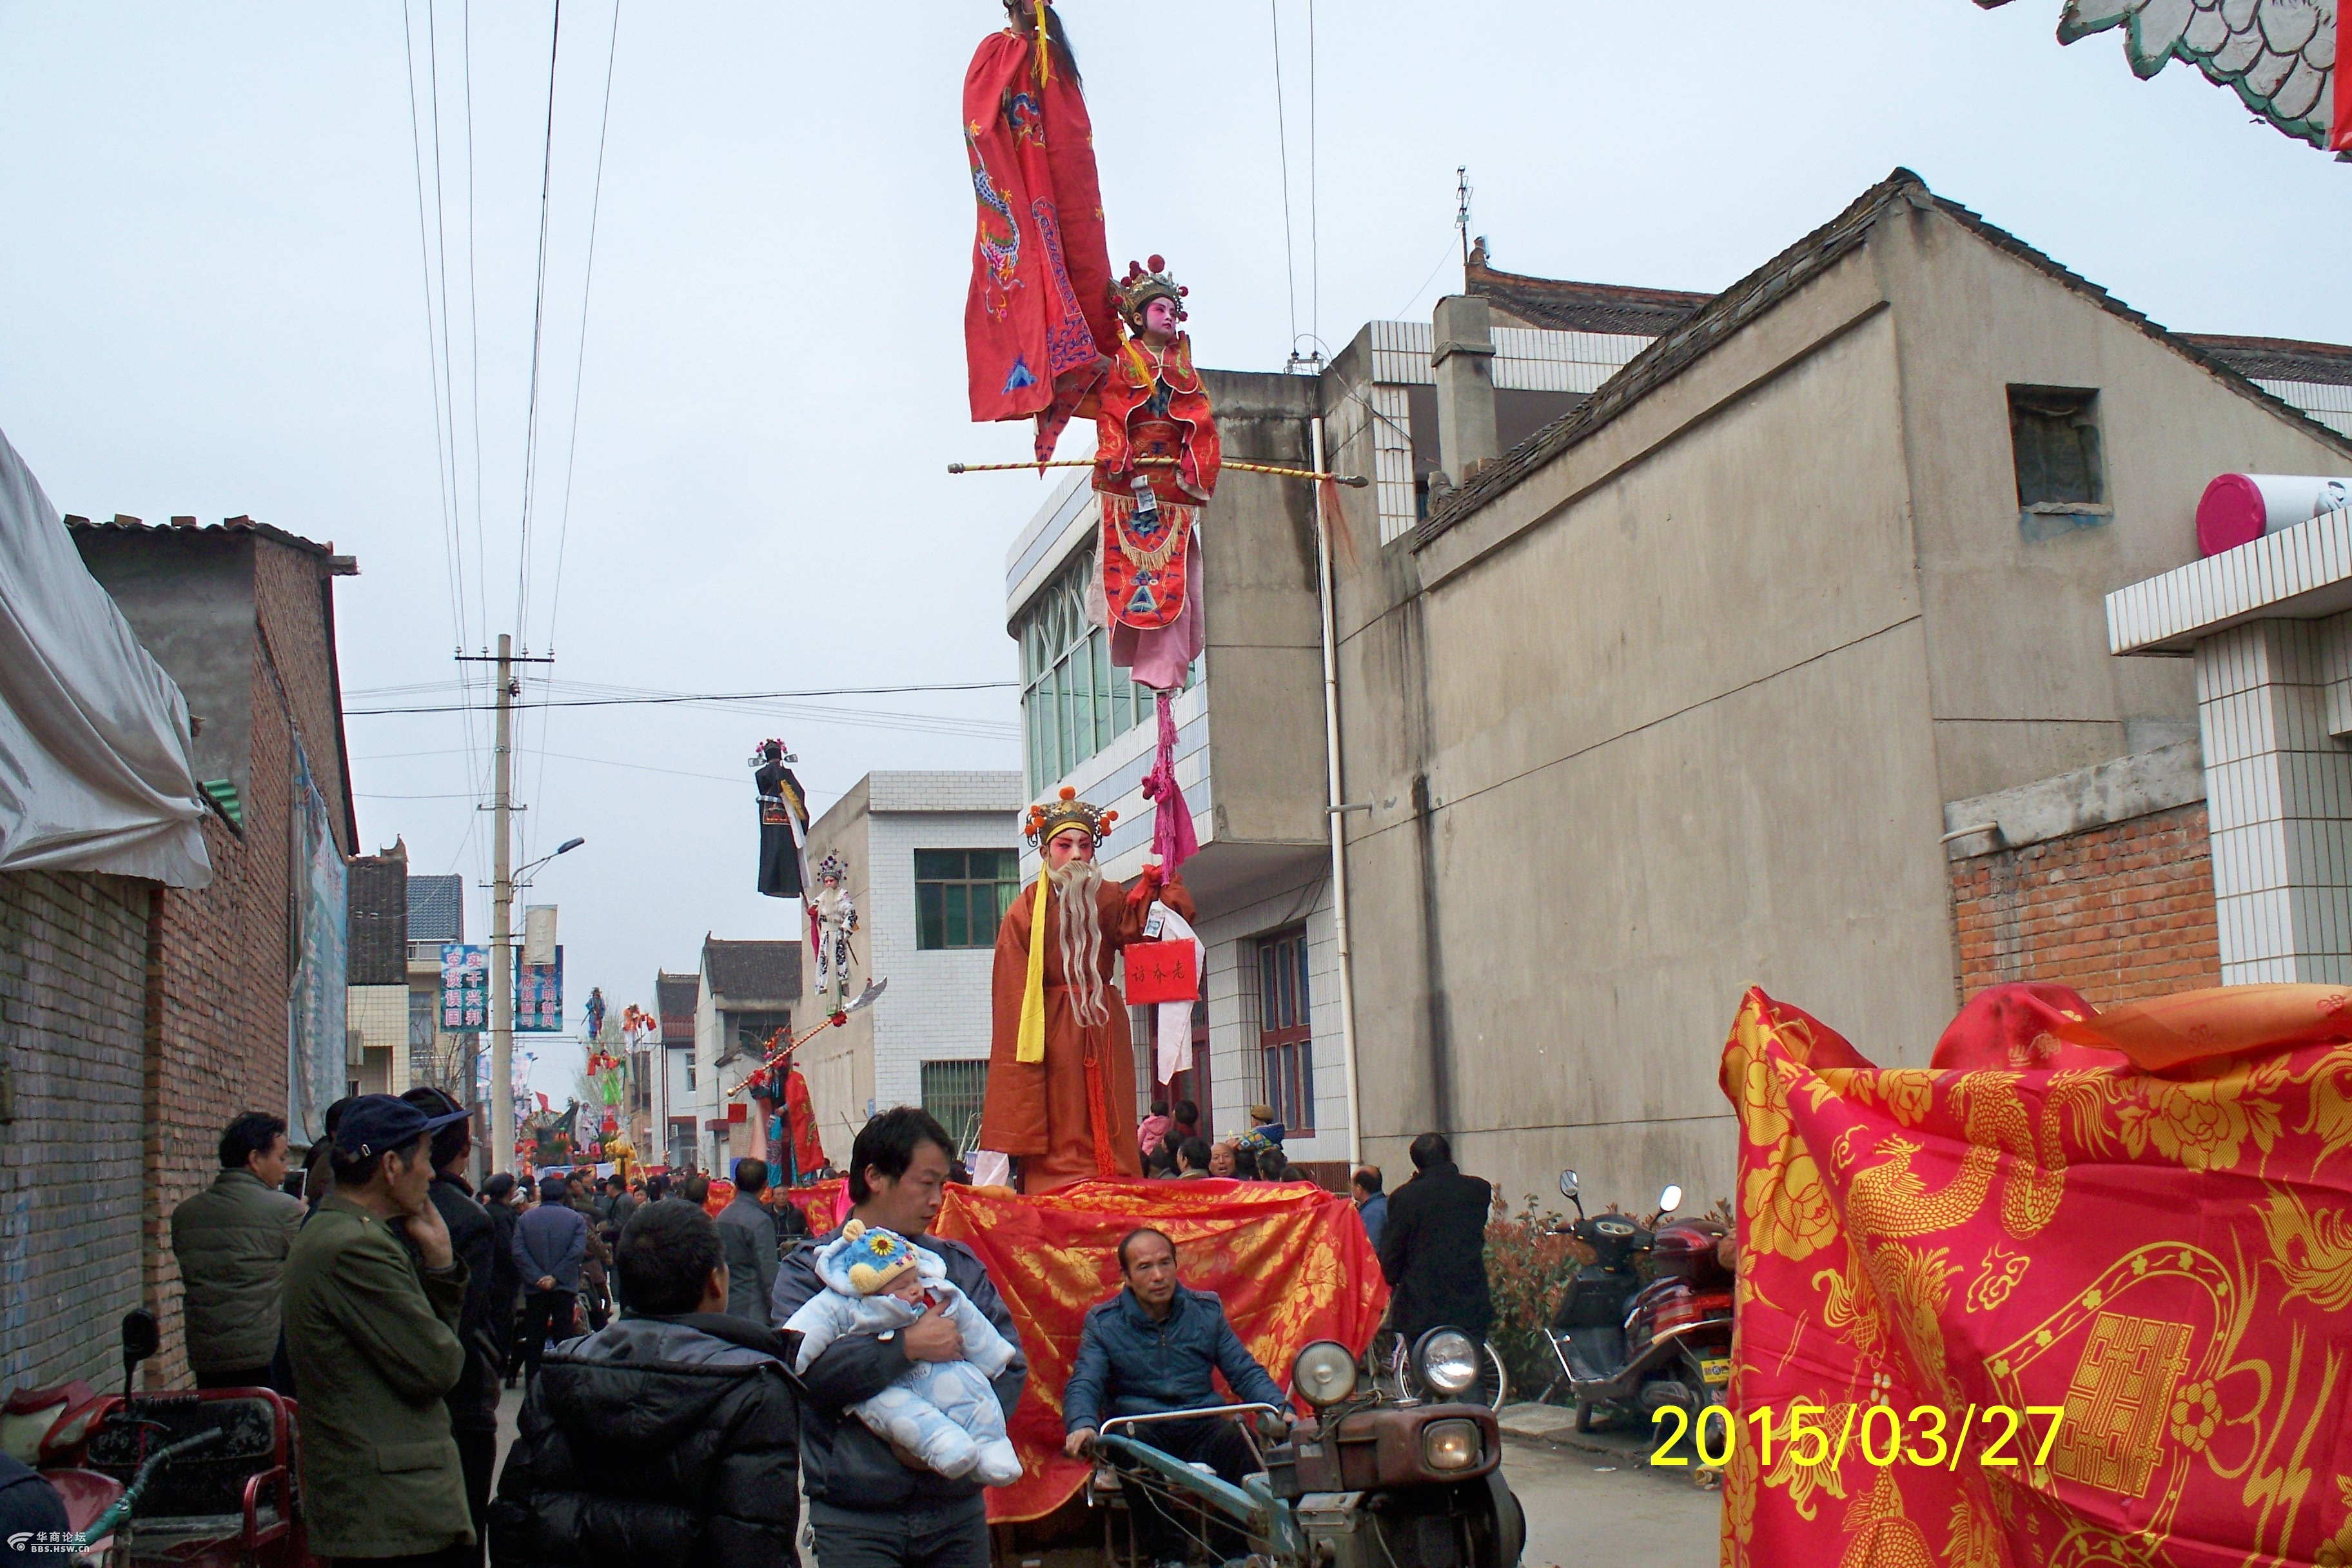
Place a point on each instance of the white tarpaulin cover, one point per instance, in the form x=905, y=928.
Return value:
x=94, y=771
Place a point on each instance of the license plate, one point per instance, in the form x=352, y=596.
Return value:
x=1715, y=1369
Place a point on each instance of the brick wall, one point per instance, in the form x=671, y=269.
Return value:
x=214, y=1041
x=2120, y=912
x=219, y=968
x=72, y=949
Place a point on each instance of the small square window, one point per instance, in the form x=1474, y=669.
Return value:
x=2053, y=436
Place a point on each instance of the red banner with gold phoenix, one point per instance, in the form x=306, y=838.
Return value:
x=2073, y=1296
x=1291, y=1261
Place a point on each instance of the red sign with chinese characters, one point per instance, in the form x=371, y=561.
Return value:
x=1161, y=972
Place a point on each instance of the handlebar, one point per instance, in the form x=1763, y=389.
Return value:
x=1260, y=1406
x=120, y=1508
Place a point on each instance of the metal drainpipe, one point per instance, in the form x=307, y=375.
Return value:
x=1334, y=813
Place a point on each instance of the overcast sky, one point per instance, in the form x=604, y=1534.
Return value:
x=215, y=303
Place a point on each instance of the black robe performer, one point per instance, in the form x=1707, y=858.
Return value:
x=783, y=825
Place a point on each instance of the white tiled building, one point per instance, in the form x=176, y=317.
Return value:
x=933, y=863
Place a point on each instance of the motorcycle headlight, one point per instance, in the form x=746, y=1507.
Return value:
x=1450, y=1445
x=1446, y=1361
x=1325, y=1372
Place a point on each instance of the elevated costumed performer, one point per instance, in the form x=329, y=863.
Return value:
x=1038, y=328
x=783, y=822
x=1061, y=1064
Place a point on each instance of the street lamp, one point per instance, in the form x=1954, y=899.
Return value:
x=566, y=847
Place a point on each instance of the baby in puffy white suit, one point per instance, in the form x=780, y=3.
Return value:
x=943, y=1412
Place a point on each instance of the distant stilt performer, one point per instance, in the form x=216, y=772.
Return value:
x=783, y=824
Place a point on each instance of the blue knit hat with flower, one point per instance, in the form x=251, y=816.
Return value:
x=873, y=1260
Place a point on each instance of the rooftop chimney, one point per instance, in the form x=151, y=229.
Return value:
x=1461, y=353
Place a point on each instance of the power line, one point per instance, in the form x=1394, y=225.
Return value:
x=1282, y=142
x=654, y=699
x=474, y=331
x=580, y=365
x=1314, y=206
x=443, y=473
x=538, y=319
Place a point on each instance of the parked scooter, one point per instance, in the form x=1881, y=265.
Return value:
x=183, y=1479
x=1647, y=1323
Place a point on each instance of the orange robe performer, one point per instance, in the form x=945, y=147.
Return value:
x=1061, y=1072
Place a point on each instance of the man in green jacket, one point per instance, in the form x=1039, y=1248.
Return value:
x=231, y=1240
x=374, y=1340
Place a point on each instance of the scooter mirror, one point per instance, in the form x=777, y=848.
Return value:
x=140, y=1339
x=1671, y=1199
x=1568, y=1184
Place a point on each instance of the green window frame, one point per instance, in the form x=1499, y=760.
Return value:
x=1073, y=703
x=962, y=895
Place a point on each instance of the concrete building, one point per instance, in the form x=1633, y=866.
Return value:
x=438, y=1056
x=376, y=990
x=1676, y=633
x=745, y=991
x=933, y=864
x=675, y=1079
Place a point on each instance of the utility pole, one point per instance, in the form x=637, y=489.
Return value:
x=502, y=1121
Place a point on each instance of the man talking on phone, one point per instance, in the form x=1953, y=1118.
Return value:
x=868, y=1508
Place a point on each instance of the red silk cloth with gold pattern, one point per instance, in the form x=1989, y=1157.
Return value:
x=1289, y=1260
x=2131, y=1222
x=1038, y=321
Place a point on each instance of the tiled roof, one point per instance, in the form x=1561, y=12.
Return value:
x=2279, y=359
x=437, y=909
x=122, y=523
x=1581, y=307
x=747, y=971
x=675, y=996
x=1764, y=288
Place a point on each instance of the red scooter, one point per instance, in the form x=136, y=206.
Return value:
x=190, y=1479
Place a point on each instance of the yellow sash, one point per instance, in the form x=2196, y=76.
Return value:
x=1030, y=1046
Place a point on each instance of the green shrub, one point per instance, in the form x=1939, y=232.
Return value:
x=1527, y=1268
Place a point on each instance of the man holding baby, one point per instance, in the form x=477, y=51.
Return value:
x=868, y=1506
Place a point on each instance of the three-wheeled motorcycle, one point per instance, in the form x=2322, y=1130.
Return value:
x=1369, y=1481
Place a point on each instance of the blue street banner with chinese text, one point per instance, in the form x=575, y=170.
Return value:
x=539, y=995
x=465, y=986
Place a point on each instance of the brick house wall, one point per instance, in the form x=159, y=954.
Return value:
x=216, y=963
x=72, y=1026
x=2120, y=910
x=214, y=1048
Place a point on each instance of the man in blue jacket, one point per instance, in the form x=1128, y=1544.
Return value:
x=549, y=1243
x=867, y=1509
x=1151, y=1349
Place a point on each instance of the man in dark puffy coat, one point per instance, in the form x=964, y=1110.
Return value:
x=1434, y=1246
x=669, y=1438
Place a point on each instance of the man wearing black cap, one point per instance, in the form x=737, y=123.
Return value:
x=374, y=1340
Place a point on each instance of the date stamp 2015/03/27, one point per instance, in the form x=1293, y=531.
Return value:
x=1927, y=1436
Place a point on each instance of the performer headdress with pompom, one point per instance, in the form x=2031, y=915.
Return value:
x=1142, y=286
x=833, y=869
x=1068, y=811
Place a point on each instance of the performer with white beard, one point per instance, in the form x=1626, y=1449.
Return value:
x=1061, y=1074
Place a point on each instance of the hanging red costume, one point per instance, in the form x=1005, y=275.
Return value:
x=1156, y=461
x=1037, y=323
